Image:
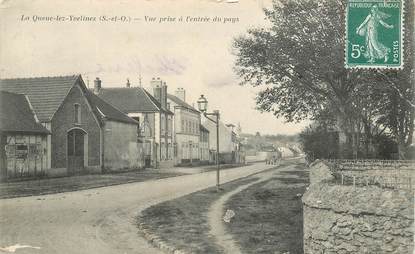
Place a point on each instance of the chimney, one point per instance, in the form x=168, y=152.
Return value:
x=156, y=84
x=164, y=95
x=97, y=85
x=159, y=91
x=180, y=93
x=128, y=83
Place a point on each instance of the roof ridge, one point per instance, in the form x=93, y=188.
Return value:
x=113, y=87
x=43, y=77
x=187, y=105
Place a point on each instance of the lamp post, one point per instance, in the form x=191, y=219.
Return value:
x=202, y=105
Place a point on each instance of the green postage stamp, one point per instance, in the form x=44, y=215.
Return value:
x=374, y=34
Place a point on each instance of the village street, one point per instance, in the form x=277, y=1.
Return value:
x=97, y=220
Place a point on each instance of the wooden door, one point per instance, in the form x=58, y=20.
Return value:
x=76, y=151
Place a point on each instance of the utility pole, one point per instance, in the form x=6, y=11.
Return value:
x=216, y=113
x=202, y=104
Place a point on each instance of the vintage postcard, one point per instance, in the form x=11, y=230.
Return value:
x=207, y=126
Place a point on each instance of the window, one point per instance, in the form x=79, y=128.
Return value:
x=182, y=126
x=77, y=113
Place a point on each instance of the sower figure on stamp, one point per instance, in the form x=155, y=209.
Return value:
x=369, y=28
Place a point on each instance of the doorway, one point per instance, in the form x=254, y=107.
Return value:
x=76, y=151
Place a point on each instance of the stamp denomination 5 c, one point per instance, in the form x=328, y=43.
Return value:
x=374, y=34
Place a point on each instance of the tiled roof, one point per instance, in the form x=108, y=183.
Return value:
x=17, y=116
x=178, y=101
x=106, y=110
x=45, y=93
x=131, y=99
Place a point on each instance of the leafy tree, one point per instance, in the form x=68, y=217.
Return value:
x=299, y=62
x=396, y=108
x=319, y=143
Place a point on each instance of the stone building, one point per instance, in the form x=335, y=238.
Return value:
x=152, y=113
x=186, y=129
x=22, y=138
x=87, y=133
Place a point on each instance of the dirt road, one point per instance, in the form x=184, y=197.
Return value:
x=97, y=220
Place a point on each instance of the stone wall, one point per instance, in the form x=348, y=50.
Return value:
x=347, y=219
x=121, y=150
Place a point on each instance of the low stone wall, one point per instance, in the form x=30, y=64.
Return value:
x=347, y=219
x=320, y=171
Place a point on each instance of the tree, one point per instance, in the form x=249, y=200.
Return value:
x=396, y=109
x=319, y=143
x=299, y=62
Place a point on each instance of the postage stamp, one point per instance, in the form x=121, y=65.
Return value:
x=374, y=34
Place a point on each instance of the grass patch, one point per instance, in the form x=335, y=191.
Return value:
x=73, y=183
x=183, y=222
x=298, y=173
x=269, y=215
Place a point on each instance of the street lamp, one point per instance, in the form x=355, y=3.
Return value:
x=202, y=105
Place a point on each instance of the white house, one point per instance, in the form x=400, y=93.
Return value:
x=186, y=129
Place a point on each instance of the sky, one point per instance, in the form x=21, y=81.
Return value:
x=192, y=54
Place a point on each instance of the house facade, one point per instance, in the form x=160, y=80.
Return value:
x=22, y=138
x=155, y=119
x=204, y=153
x=229, y=145
x=80, y=123
x=186, y=129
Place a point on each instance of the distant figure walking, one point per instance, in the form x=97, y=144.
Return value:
x=370, y=29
